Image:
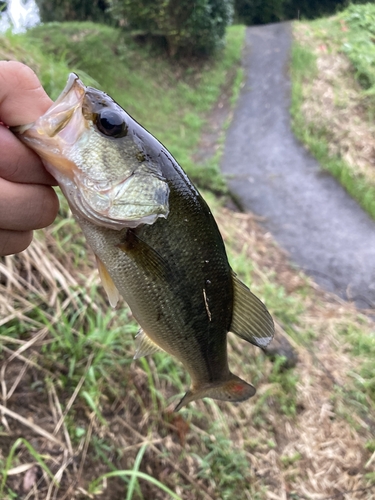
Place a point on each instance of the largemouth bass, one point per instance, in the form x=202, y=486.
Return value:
x=154, y=238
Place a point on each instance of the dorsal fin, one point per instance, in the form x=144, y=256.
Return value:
x=144, y=345
x=109, y=286
x=251, y=320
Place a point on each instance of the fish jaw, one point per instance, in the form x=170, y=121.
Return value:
x=57, y=130
x=112, y=195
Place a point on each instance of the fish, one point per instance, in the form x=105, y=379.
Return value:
x=154, y=237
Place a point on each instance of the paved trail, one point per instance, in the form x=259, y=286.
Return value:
x=324, y=230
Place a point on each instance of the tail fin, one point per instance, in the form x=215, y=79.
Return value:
x=234, y=389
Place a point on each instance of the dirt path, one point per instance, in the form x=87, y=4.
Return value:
x=310, y=215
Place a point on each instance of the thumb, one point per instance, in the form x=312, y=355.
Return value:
x=22, y=97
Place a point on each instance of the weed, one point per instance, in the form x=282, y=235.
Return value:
x=288, y=460
x=37, y=457
x=97, y=489
x=225, y=463
x=359, y=46
x=370, y=445
x=287, y=382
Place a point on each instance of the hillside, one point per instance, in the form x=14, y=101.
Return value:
x=80, y=419
x=333, y=105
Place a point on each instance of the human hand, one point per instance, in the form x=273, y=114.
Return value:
x=27, y=200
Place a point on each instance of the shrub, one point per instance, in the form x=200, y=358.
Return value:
x=195, y=28
x=267, y=11
x=260, y=11
x=74, y=10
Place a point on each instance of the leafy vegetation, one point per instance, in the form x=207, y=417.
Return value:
x=193, y=28
x=359, y=46
x=74, y=10
x=259, y=12
x=182, y=27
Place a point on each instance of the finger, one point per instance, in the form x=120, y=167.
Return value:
x=19, y=164
x=14, y=241
x=26, y=206
x=22, y=97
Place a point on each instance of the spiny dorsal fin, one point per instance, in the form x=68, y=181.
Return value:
x=109, y=286
x=144, y=345
x=251, y=321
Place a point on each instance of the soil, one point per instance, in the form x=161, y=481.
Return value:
x=271, y=174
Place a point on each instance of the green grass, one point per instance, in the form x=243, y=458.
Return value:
x=226, y=463
x=303, y=70
x=359, y=45
x=363, y=346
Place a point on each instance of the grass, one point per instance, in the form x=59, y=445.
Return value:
x=332, y=114
x=359, y=46
x=94, y=423
x=105, y=409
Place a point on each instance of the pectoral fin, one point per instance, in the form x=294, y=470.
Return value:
x=251, y=320
x=145, y=256
x=109, y=286
x=144, y=345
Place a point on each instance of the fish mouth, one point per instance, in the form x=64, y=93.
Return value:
x=60, y=127
x=66, y=111
x=61, y=111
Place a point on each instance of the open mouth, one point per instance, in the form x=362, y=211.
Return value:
x=59, y=114
x=54, y=134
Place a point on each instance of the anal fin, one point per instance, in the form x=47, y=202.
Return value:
x=144, y=345
x=251, y=320
x=109, y=286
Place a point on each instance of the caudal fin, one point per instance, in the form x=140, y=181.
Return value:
x=234, y=389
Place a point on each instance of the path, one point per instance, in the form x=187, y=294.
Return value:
x=310, y=215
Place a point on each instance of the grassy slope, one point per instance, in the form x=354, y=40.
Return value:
x=333, y=92
x=66, y=358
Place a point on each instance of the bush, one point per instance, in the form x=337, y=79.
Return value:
x=194, y=28
x=359, y=45
x=268, y=11
x=74, y=10
x=260, y=11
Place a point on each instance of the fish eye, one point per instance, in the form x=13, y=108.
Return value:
x=111, y=123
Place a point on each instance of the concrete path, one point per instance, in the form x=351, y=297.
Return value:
x=310, y=215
